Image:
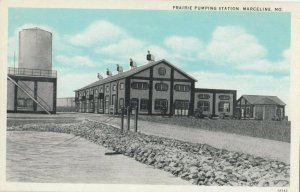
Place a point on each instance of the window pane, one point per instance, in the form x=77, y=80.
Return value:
x=203, y=105
x=134, y=102
x=144, y=104
x=224, y=107
x=182, y=88
x=203, y=96
x=224, y=97
x=139, y=85
x=160, y=104
x=161, y=87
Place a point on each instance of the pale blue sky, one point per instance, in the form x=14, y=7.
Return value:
x=245, y=51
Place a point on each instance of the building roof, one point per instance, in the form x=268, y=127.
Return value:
x=203, y=90
x=132, y=72
x=263, y=100
x=37, y=28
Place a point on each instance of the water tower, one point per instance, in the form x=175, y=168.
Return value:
x=35, y=49
x=32, y=86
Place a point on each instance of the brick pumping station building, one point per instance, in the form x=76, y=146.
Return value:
x=154, y=88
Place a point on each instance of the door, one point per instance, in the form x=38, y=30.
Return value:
x=100, y=105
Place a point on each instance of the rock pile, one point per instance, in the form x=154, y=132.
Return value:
x=201, y=164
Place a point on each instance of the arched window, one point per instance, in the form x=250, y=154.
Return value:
x=224, y=97
x=182, y=88
x=161, y=87
x=203, y=105
x=203, y=96
x=139, y=85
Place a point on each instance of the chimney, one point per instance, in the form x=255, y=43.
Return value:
x=119, y=68
x=99, y=76
x=132, y=63
x=150, y=57
x=108, y=73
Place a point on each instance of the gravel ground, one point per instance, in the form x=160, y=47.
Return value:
x=201, y=164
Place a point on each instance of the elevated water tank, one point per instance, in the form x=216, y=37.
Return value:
x=35, y=49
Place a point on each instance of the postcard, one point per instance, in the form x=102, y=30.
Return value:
x=144, y=95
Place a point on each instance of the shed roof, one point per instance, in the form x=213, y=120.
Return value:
x=132, y=72
x=263, y=100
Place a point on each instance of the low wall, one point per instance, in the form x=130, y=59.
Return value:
x=201, y=164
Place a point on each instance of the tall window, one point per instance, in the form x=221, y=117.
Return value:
x=160, y=104
x=121, y=86
x=139, y=85
x=107, y=88
x=182, y=88
x=106, y=101
x=113, y=98
x=134, y=103
x=161, y=87
x=91, y=105
x=248, y=110
x=224, y=106
x=144, y=105
x=203, y=106
x=114, y=87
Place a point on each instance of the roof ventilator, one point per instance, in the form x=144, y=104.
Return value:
x=108, y=73
x=99, y=76
x=132, y=64
x=150, y=57
x=119, y=68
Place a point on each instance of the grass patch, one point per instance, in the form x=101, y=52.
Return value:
x=274, y=130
